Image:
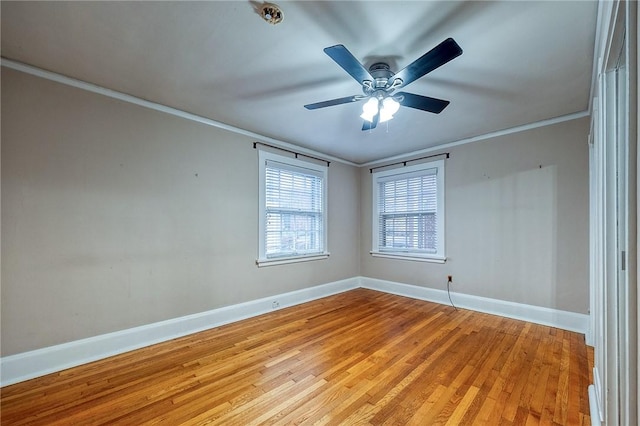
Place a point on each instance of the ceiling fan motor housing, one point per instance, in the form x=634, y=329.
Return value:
x=381, y=74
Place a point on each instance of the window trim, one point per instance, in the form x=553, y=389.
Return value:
x=437, y=257
x=262, y=259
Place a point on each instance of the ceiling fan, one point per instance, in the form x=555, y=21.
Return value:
x=379, y=83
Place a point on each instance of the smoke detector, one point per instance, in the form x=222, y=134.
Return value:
x=271, y=13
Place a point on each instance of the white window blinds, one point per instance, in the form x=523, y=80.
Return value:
x=294, y=207
x=293, y=213
x=409, y=212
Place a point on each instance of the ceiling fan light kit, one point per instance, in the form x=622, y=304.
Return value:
x=379, y=83
x=385, y=107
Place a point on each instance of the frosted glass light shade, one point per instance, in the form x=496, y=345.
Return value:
x=369, y=109
x=389, y=107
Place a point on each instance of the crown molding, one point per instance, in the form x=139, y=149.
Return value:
x=511, y=130
x=79, y=84
x=59, y=78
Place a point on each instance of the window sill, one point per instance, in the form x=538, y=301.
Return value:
x=293, y=259
x=408, y=256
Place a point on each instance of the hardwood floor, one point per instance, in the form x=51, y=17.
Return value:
x=360, y=357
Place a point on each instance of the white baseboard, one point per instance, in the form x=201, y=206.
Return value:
x=28, y=365
x=552, y=317
x=594, y=409
x=596, y=404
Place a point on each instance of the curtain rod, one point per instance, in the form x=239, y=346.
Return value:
x=255, y=144
x=404, y=163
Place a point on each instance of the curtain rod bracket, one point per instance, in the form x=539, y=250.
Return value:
x=404, y=163
x=255, y=145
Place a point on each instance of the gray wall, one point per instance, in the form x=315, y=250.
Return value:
x=516, y=221
x=114, y=216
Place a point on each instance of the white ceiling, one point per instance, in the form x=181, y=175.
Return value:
x=523, y=62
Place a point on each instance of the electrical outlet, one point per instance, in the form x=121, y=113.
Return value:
x=275, y=304
x=449, y=278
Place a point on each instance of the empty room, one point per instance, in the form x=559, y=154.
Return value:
x=319, y=212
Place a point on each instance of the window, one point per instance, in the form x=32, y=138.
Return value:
x=293, y=213
x=408, y=212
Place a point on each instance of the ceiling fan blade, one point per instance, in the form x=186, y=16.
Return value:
x=424, y=103
x=348, y=62
x=332, y=102
x=436, y=57
x=370, y=125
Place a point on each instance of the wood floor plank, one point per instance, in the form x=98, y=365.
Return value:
x=360, y=357
x=461, y=409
